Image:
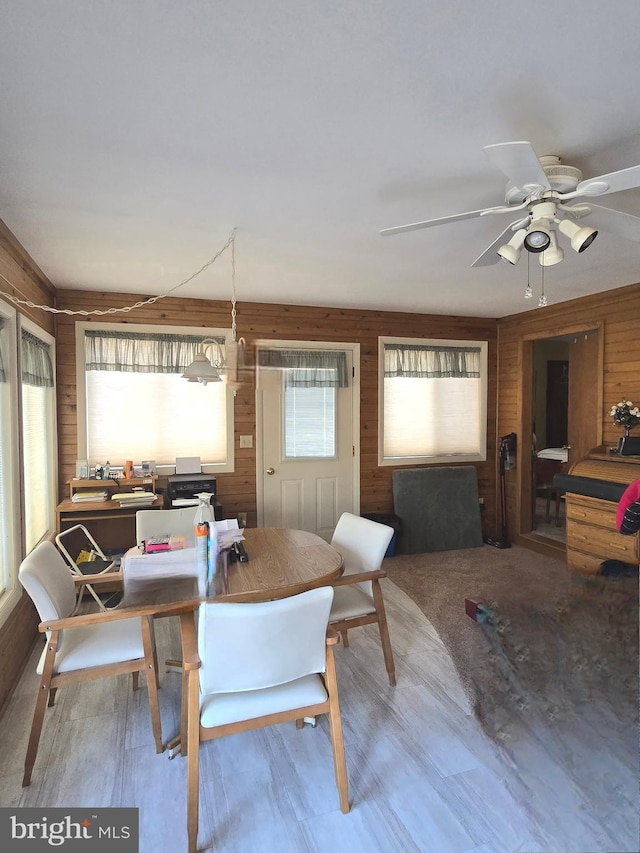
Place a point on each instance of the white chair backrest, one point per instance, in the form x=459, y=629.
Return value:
x=252, y=646
x=362, y=542
x=48, y=581
x=164, y=522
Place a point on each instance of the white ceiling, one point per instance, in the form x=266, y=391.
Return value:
x=137, y=135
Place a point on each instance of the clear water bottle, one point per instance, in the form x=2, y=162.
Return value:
x=206, y=543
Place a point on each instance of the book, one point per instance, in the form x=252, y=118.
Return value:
x=89, y=495
x=134, y=498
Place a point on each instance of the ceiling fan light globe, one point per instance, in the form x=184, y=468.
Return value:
x=581, y=236
x=537, y=240
x=553, y=255
x=579, y=244
x=509, y=254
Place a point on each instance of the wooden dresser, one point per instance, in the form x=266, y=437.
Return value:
x=593, y=487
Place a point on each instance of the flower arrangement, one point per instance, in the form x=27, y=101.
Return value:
x=626, y=414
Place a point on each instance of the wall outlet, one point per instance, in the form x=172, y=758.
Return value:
x=246, y=441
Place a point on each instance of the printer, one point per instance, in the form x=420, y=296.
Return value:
x=183, y=488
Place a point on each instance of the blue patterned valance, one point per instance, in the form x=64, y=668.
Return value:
x=306, y=368
x=418, y=361
x=141, y=352
x=37, y=368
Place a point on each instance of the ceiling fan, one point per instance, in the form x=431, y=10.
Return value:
x=540, y=187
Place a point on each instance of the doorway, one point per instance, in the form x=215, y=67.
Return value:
x=563, y=407
x=307, y=438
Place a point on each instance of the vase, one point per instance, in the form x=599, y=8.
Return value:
x=627, y=430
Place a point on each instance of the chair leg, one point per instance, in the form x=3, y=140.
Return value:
x=384, y=632
x=151, y=662
x=345, y=638
x=96, y=597
x=337, y=740
x=52, y=697
x=44, y=693
x=193, y=758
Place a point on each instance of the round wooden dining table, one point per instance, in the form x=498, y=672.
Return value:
x=282, y=562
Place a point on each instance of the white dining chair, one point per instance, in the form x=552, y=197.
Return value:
x=254, y=665
x=358, y=597
x=151, y=523
x=82, y=647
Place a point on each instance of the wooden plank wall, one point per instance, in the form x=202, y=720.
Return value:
x=619, y=313
x=22, y=279
x=237, y=491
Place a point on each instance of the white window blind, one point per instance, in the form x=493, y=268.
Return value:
x=432, y=401
x=136, y=405
x=310, y=422
x=38, y=434
x=37, y=420
x=154, y=416
x=7, y=544
x=431, y=417
x=10, y=589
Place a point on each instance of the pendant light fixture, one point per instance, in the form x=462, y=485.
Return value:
x=221, y=365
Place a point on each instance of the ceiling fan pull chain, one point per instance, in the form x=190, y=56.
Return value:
x=543, y=299
x=528, y=294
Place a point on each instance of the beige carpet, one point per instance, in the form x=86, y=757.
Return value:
x=557, y=646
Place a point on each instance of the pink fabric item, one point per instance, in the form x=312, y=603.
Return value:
x=630, y=495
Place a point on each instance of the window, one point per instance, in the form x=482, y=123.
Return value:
x=39, y=443
x=309, y=378
x=134, y=404
x=432, y=401
x=309, y=422
x=9, y=488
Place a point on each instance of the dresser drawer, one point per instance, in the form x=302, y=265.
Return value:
x=585, y=563
x=599, y=513
x=601, y=542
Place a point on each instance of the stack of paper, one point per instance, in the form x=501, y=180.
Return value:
x=139, y=566
x=560, y=454
x=227, y=532
x=134, y=499
x=89, y=495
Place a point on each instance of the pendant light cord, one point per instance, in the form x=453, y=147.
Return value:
x=126, y=308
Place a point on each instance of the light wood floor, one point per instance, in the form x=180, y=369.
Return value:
x=422, y=775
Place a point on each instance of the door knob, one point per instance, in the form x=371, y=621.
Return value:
x=271, y=470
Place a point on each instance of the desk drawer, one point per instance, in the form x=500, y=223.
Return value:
x=599, y=513
x=601, y=542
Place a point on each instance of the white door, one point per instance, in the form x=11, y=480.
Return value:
x=307, y=465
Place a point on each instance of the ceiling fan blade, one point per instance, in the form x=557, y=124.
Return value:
x=520, y=163
x=429, y=223
x=625, y=179
x=490, y=255
x=616, y=222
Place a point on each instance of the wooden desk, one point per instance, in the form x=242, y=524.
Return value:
x=119, y=531
x=281, y=563
x=592, y=535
